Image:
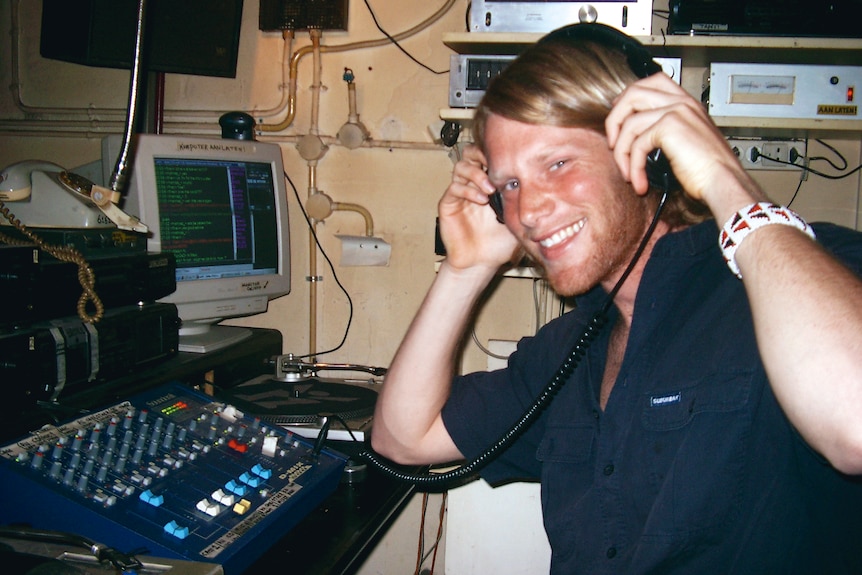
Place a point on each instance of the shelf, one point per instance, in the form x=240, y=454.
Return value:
x=839, y=51
x=698, y=52
x=753, y=127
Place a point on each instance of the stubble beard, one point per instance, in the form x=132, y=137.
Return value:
x=614, y=246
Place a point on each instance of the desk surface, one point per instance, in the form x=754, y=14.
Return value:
x=338, y=536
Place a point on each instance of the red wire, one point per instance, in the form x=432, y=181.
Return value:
x=421, y=533
x=439, y=531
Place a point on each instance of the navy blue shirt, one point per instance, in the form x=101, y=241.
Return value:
x=692, y=467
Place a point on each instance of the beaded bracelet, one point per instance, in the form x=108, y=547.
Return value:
x=750, y=218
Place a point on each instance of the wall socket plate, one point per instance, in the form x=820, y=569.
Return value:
x=755, y=153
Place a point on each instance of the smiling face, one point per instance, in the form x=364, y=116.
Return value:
x=566, y=201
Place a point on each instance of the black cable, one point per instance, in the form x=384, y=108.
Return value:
x=321, y=436
x=796, y=192
x=840, y=176
x=343, y=423
x=331, y=267
x=827, y=160
x=397, y=45
x=810, y=170
x=564, y=372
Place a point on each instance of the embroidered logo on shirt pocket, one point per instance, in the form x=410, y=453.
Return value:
x=712, y=394
x=658, y=400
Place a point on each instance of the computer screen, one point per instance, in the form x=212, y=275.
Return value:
x=220, y=207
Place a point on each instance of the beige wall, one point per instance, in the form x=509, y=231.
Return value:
x=58, y=111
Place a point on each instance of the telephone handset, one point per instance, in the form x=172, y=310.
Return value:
x=48, y=196
x=658, y=172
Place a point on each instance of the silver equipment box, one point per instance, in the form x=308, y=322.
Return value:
x=631, y=16
x=470, y=75
x=791, y=91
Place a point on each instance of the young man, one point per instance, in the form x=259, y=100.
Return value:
x=715, y=424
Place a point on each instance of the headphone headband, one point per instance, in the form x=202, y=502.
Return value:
x=638, y=57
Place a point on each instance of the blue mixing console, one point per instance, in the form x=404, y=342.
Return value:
x=169, y=473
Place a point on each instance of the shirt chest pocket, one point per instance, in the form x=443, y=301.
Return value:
x=694, y=442
x=567, y=453
x=566, y=444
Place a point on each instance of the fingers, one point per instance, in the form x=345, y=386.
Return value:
x=470, y=187
x=469, y=177
x=468, y=226
x=653, y=92
x=657, y=113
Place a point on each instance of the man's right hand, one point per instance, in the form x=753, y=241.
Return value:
x=468, y=226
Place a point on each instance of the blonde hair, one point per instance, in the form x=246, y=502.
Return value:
x=569, y=84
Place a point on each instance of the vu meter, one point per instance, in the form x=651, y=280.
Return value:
x=762, y=89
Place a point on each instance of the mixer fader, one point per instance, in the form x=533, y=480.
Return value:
x=171, y=473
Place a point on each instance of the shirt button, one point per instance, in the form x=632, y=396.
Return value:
x=611, y=552
x=609, y=469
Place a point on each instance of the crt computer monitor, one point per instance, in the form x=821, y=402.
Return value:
x=220, y=207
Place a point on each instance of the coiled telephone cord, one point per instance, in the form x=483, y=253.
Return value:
x=86, y=275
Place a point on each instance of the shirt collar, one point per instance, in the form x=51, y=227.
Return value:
x=690, y=241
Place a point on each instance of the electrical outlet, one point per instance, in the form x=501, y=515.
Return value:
x=757, y=154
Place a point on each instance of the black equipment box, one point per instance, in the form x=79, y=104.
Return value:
x=277, y=15
x=34, y=286
x=199, y=37
x=42, y=360
x=766, y=18
x=91, y=242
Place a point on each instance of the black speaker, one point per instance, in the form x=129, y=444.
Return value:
x=303, y=14
x=199, y=37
